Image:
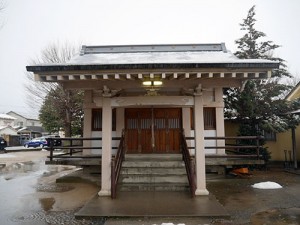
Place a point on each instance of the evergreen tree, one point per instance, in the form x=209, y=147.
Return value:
x=63, y=109
x=260, y=106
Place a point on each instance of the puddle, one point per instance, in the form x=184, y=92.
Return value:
x=54, y=218
x=22, y=168
x=29, y=194
x=47, y=203
x=277, y=217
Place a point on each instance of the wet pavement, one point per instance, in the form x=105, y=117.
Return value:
x=153, y=204
x=30, y=195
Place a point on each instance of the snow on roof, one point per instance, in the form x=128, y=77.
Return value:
x=159, y=57
x=157, y=54
x=7, y=117
x=23, y=114
x=22, y=129
x=4, y=127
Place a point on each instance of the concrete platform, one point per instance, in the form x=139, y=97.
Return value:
x=153, y=204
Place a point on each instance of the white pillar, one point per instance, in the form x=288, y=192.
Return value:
x=186, y=121
x=220, y=129
x=120, y=121
x=186, y=124
x=87, y=130
x=199, y=147
x=106, y=148
x=87, y=121
x=220, y=120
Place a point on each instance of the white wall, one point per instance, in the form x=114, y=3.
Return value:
x=96, y=134
x=207, y=143
x=8, y=131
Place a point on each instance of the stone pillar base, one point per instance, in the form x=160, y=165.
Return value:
x=104, y=193
x=201, y=192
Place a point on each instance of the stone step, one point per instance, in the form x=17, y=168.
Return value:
x=153, y=164
x=153, y=157
x=154, y=187
x=153, y=171
x=150, y=178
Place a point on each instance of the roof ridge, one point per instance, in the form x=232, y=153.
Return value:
x=152, y=48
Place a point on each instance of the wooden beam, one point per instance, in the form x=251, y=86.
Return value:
x=207, y=75
x=74, y=77
x=118, y=77
x=85, y=77
x=140, y=76
x=60, y=77
x=95, y=77
x=269, y=74
x=174, y=76
x=51, y=78
x=185, y=76
x=129, y=77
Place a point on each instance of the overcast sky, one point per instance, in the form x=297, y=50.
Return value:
x=28, y=26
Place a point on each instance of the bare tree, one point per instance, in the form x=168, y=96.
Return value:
x=51, y=94
x=2, y=6
x=53, y=53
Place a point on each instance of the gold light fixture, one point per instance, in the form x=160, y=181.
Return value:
x=152, y=83
x=152, y=86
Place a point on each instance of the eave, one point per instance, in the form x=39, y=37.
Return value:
x=92, y=67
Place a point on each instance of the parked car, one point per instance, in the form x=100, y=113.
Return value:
x=3, y=143
x=36, y=142
x=42, y=142
x=57, y=142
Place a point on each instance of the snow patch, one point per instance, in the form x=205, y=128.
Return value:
x=7, y=156
x=172, y=224
x=267, y=185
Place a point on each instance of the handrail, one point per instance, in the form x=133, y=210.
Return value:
x=189, y=165
x=72, y=147
x=116, y=165
x=231, y=147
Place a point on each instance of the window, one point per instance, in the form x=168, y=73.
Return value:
x=209, y=118
x=97, y=119
x=269, y=135
x=209, y=115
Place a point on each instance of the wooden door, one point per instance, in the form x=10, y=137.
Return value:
x=153, y=130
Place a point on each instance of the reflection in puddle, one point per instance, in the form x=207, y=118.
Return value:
x=47, y=203
x=39, y=168
x=54, y=188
